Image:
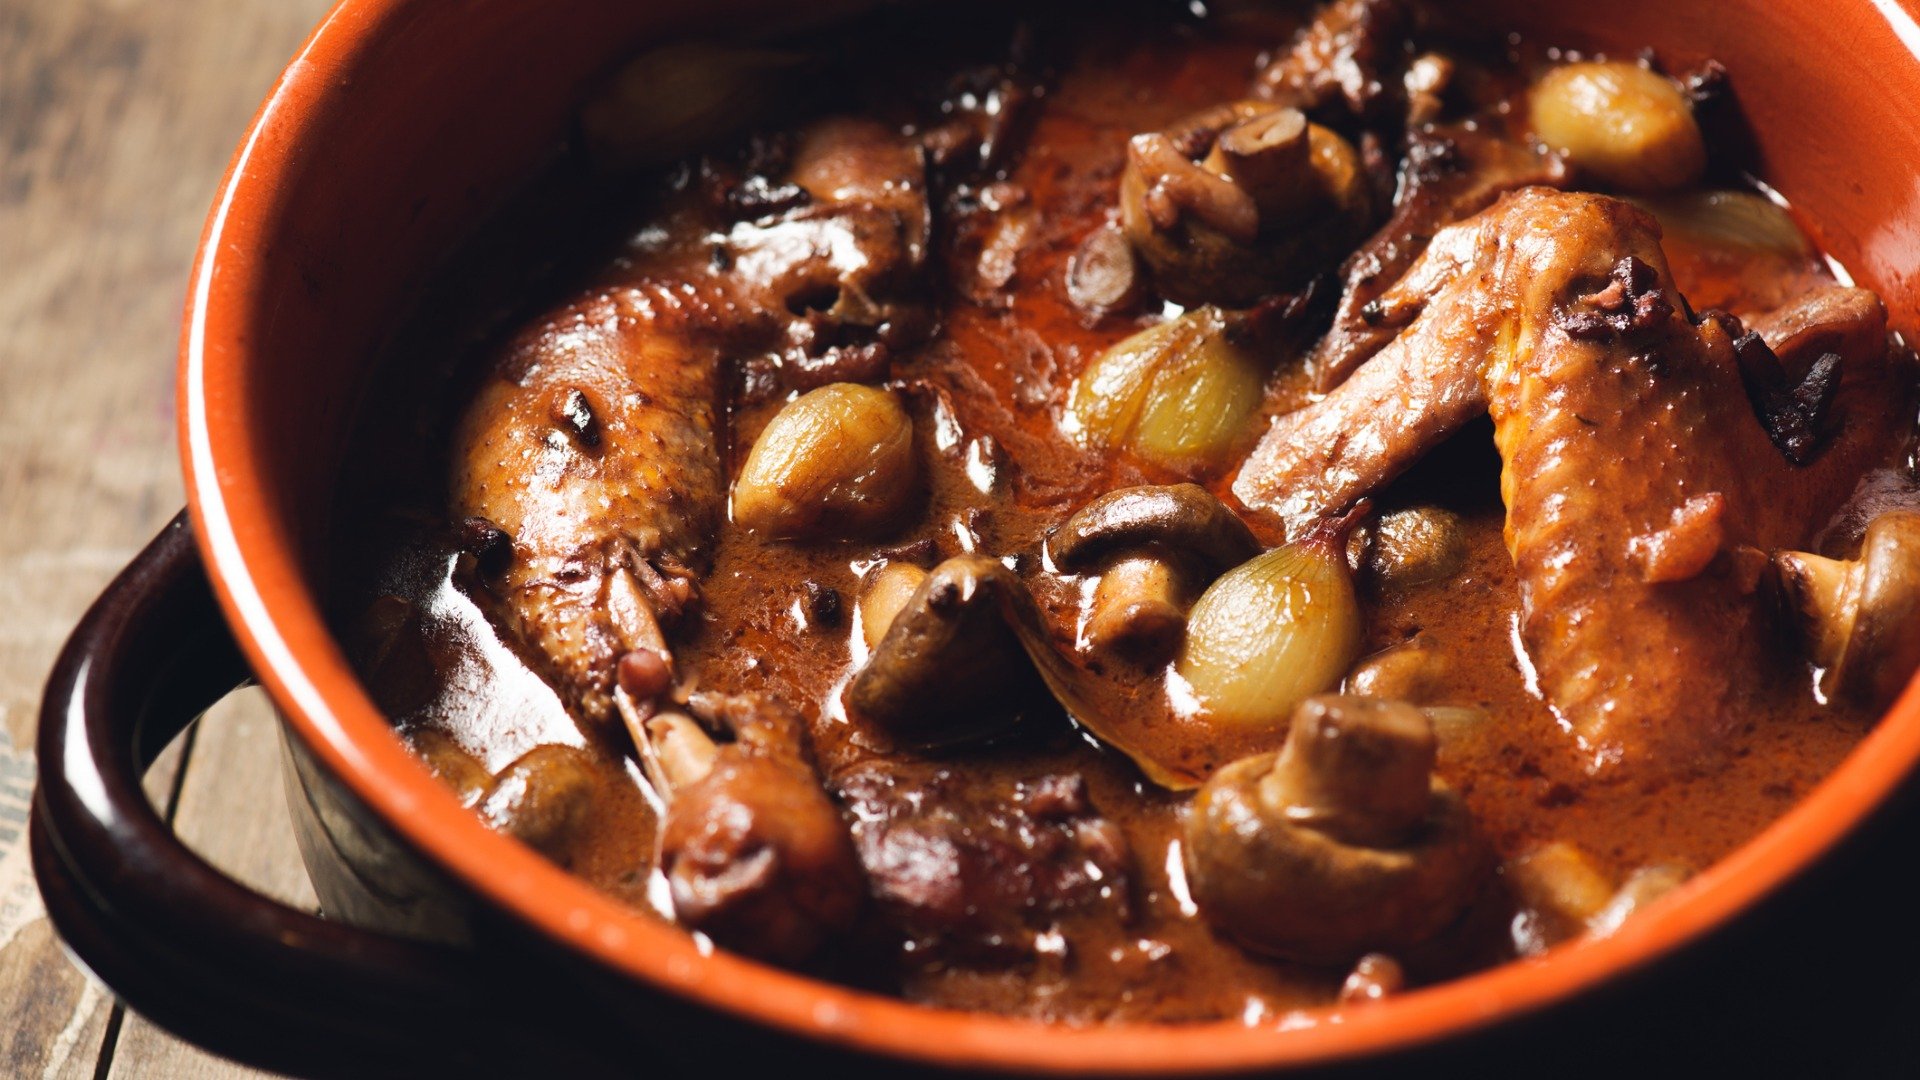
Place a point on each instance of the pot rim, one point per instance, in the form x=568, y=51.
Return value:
x=281, y=630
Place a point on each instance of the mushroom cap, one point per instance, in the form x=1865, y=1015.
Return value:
x=1883, y=650
x=1182, y=518
x=1196, y=260
x=1341, y=843
x=1861, y=617
x=951, y=666
x=1291, y=891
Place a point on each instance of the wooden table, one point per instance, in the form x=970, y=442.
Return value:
x=116, y=120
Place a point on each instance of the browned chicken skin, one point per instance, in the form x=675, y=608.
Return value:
x=593, y=447
x=1641, y=488
x=1448, y=175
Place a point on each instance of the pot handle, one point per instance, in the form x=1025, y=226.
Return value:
x=180, y=942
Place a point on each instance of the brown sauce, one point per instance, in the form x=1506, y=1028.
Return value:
x=986, y=392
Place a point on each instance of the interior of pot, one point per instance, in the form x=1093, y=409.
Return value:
x=405, y=123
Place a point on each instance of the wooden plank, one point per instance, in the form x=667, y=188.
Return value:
x=116, y=119
x=232, y=811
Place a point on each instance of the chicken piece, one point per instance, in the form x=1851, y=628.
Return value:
x=592, y=446
x=1448, y=175
x=755, y=854
x=1613, y=412
x=973, y=873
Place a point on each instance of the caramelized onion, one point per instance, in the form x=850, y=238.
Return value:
x=1178, y=394
x=1271, y=633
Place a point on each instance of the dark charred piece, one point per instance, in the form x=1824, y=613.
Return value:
x=1349, y=59
x=977, y=872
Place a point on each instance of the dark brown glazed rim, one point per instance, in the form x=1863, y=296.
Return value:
x=180, y=941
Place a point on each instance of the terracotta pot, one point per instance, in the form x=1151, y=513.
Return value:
x=399, y=126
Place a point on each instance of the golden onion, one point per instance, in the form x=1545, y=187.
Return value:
x=836, y=461
x=1740, y=220
x=1621, y=124
x=1270, y=633
x=1178, y=394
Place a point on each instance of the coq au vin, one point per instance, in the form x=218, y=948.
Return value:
x=1162, y=513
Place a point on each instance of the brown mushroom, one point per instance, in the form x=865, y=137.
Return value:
x=1154, y=547
x=1860, y=618
x=1102, y=276
x=951, y=666
x=1340, y=844
x=1182, y=516
x=1241, y=200
x=542, y=798
x=1413, y=546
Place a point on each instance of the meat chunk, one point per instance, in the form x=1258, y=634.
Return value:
x=978, y=869
x=1555, y=313
x=757, y=857
x=1448, y=175
x=754, y=853
x=592, y=448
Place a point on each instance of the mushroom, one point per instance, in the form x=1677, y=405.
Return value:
x=1342, y=843
x=1239, y=201
x=755, y=854
x=887, y=590
x=950, y=666
x=1413, y=546
x=542, y=798
x=1860, y=618
x=1156, y=546
x=1102, y=276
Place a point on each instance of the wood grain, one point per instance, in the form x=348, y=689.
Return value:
x=116, y=120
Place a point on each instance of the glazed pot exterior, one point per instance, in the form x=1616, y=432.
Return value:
x=404, y=124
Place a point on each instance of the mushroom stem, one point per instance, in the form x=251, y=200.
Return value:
x=1825, y=592
x=1359, y=769
x=1137, y=609
x=1319, y=853
x=1860, y=618
x=1267, y=156
x=1173, y=186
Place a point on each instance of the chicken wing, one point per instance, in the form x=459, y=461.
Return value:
x=1641, y=486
